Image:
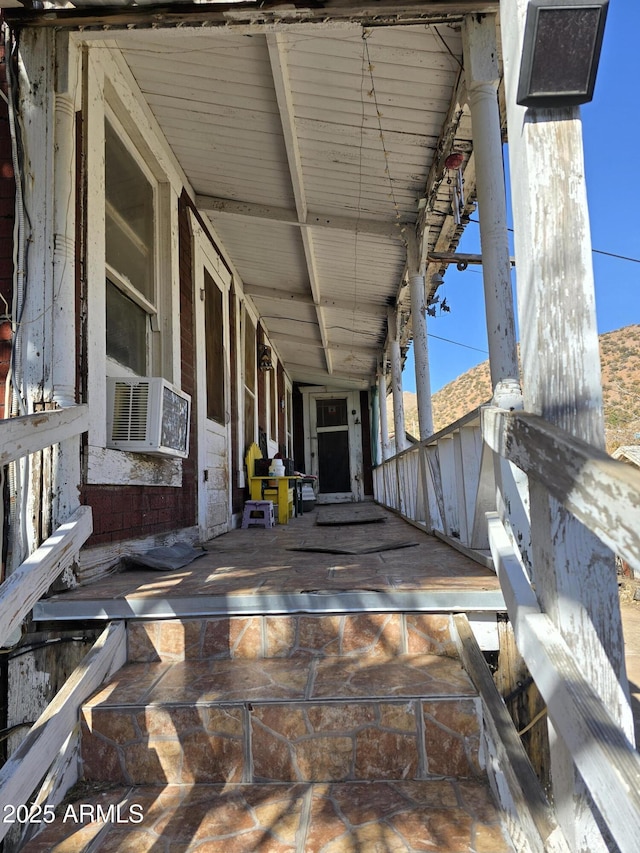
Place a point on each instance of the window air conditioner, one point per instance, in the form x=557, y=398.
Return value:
x=147, y=415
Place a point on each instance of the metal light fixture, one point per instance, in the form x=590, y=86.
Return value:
x=561, y=50
x=265, y=361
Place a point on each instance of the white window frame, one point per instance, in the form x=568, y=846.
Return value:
x=113, y=367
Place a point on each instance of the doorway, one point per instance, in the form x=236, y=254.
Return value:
x=213, y=380
x=335, y=445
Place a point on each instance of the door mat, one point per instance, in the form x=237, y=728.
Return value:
x=355, y=515
x=354, y=549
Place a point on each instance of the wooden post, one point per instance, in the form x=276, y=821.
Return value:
x=66, y=459
x=376, y=448
x=34, y=338
x=384, y=424
x=396, y=380
x=574, y=574
x=420, y=344
x=481, y=78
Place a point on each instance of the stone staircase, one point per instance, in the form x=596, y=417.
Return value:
x=325, y=733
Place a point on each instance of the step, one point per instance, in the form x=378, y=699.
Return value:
x=334, y=718
x=372, y=817
x=300, y=635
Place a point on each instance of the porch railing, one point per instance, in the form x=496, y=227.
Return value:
x=49, y=741
x=452, y=479
x=445, y=484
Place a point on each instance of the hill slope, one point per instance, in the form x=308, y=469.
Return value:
x=620, y=357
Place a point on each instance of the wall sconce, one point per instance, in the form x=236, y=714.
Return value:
x=560, y=53
x=264, y=358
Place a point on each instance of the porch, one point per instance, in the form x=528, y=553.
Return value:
x=305, y=176
x=295, y=688
x=367, y=560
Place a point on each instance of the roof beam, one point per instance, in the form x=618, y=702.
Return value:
x=284, y=216
x=280, y=72
x=307, y=373
x=285, y=338
x=274, y=294
x=252, y=14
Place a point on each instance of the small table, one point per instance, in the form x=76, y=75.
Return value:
x=283, y=487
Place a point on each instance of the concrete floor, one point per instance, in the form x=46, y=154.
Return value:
x=631, y=627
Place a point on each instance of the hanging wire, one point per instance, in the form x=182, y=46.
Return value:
x=385, y=151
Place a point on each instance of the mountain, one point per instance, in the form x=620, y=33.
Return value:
x=620, y=358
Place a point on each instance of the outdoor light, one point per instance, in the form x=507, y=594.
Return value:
x=562, y=41
x=264, y=358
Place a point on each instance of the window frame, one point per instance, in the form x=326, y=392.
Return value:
x=109, y=91
x=119, y=279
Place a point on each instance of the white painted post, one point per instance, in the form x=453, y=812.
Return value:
x=66, y=473
x=376, y=448
x=481, y=78
x=63, y=365
x=574, y=574
x=384, y=424
x=396, y=380
x=34, y=334
x=420, y=345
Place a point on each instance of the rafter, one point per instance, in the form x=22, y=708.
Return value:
x=285, y=338
x=285, y=216
x=282, y=86
x=364, y=308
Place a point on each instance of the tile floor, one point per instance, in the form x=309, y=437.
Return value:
x=377, y=817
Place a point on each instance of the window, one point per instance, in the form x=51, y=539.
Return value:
x=130, y=255
x=332, y=413
x=126, y=331
x=214, y=332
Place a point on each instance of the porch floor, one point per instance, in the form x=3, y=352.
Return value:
x=385, y=565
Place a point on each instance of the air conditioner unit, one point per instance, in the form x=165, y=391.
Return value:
x=147, y=415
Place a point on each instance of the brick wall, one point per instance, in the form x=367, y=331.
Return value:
x=7, y=201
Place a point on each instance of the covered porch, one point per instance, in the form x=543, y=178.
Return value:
x=306, y=173
x=358, y=558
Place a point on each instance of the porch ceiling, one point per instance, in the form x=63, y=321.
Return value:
x=315, y=149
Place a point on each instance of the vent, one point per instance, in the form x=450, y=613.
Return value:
x=147, y=415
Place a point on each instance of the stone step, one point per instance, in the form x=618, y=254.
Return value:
x=440, y=815
x=285, y=720
x=262, y=636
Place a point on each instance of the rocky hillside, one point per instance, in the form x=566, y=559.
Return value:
x=620, y=356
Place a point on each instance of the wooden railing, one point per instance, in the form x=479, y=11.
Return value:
x=45, y=743
x=49, y=751
x=445, y=484
x=453, y=490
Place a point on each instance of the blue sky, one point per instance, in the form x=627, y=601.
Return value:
x=613, y=186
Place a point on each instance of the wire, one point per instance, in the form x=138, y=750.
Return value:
x=6, y=733
x=614, y=255
x=457, y=343
x=446, y=46
x=18, y=651
x=595, y=251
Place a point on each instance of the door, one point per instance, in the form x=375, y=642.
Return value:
x=336, y=446
x=213, y=384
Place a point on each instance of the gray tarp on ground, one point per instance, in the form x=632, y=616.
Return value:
x=165, y=558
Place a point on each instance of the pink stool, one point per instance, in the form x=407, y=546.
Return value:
x=258, y=514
